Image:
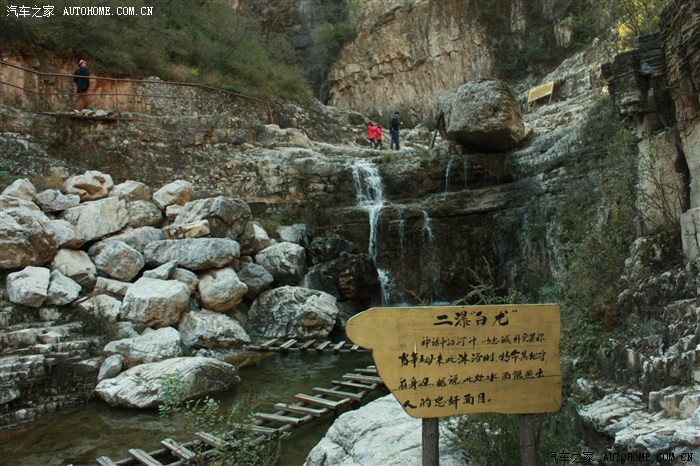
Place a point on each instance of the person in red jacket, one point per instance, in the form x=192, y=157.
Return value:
x=378, y=137
x=371, y=133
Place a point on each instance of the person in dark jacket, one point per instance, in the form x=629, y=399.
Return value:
x=394, y=130
x=82, y=84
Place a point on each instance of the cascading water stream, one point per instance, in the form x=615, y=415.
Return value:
x=370, y=196
x=447, y=174
x=432, y=262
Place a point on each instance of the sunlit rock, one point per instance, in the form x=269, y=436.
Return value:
x=155, y=303
x=206, y=329
x=292, y=312
x=221, y=290
x=285, y=261
x=226, y=216
x=177, y=192
x=77, y=265
x=90, y=186
x=29, y=286
x=194, y=253
x=152, y=346
x=97, y=219
x=119, y=261
x=140, y=386
x=21, y=188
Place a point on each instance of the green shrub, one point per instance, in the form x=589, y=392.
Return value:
x=219, y=46
x=6, y=176
x=207, y=415
x=337, y=28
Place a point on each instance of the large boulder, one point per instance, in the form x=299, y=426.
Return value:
x=131, y=191
x=256, y=278
x=379, y=433
x=25, y=239
x=97, y=219
x=297, y=233
x=227, y=217
x=66, y=234
x=152, y=346
x=29, y=286
x=53, y=200
x=102, y=305
x=348, y=277
x=254, y=239
x=62, y=290
x=21, y=188
x=90, y=186
x=482, y=114
x=143, y=214
x=221, y=290
x=292, y=312
x=137, y=238
x=119, y=261
x=194, y=253
x=140, y=386
x=77, y=265
x=206, y=329
x=285, y=261
x=178, y=192
x=155, y=303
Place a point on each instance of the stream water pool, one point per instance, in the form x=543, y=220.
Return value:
x=80, y=434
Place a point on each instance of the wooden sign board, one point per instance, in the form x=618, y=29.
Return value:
x=540, y=91
x=448, y=360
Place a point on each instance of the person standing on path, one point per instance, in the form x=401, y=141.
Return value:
x=378, y=137
x=82, y=84
x=394, y=130
x=371, y=134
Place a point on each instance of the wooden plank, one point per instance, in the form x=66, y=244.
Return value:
x=354, y=347
x=271, y=431
x=104, y=461
x=301, y=409
x=361, y=386
x=543, y=90
x=323, y=346
x=338, y=346
x=314, y=400
x=306, y=345
x=144, y=457
x=280, y=418
x=211, y=440
x=339, y=393
x=288, y=344
x=178, y=450
x=363, y=378
x=368, y=370
x=269, y=343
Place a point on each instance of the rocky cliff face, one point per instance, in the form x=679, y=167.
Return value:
x=407, y=52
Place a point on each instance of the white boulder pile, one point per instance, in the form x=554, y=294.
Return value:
x=175, y=275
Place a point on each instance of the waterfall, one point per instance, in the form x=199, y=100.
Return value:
x=447, y=174
x=432, y=261
x=428, y=229
x=370, y=197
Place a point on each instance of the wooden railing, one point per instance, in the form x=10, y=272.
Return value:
x=119, y=93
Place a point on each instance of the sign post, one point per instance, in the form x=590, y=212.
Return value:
x=442, y=361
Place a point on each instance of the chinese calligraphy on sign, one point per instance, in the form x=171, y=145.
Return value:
x=444, y=361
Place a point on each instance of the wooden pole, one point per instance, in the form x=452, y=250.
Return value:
x=528, y=440
x=431, y=438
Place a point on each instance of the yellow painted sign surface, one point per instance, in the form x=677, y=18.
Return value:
x=540, y=91
x=447, y=360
